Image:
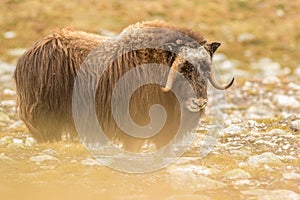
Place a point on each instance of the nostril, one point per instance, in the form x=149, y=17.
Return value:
x=196, y=105
x=202, y=102
x=199, y=102
x=194, y=102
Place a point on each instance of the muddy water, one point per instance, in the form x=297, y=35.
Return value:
x=256, y=155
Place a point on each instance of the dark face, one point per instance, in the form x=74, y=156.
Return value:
x=195, y=66
x=194, y=62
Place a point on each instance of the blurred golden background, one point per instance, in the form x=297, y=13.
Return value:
x=248, y=30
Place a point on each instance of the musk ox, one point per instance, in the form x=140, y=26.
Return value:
x=45, y=76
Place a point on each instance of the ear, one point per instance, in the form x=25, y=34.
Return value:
x=213, y=47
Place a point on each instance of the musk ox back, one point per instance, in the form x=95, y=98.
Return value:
x=46, y=73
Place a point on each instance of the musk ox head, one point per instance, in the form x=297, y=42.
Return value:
x=191, y=56
x=194, y=62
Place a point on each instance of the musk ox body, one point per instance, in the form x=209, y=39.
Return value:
x=46, y=73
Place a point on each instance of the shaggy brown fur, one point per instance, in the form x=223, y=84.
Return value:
x=45, y=77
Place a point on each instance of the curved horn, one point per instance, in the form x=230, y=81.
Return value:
x=218, y=85
x=172, y=74
x=170, y=80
